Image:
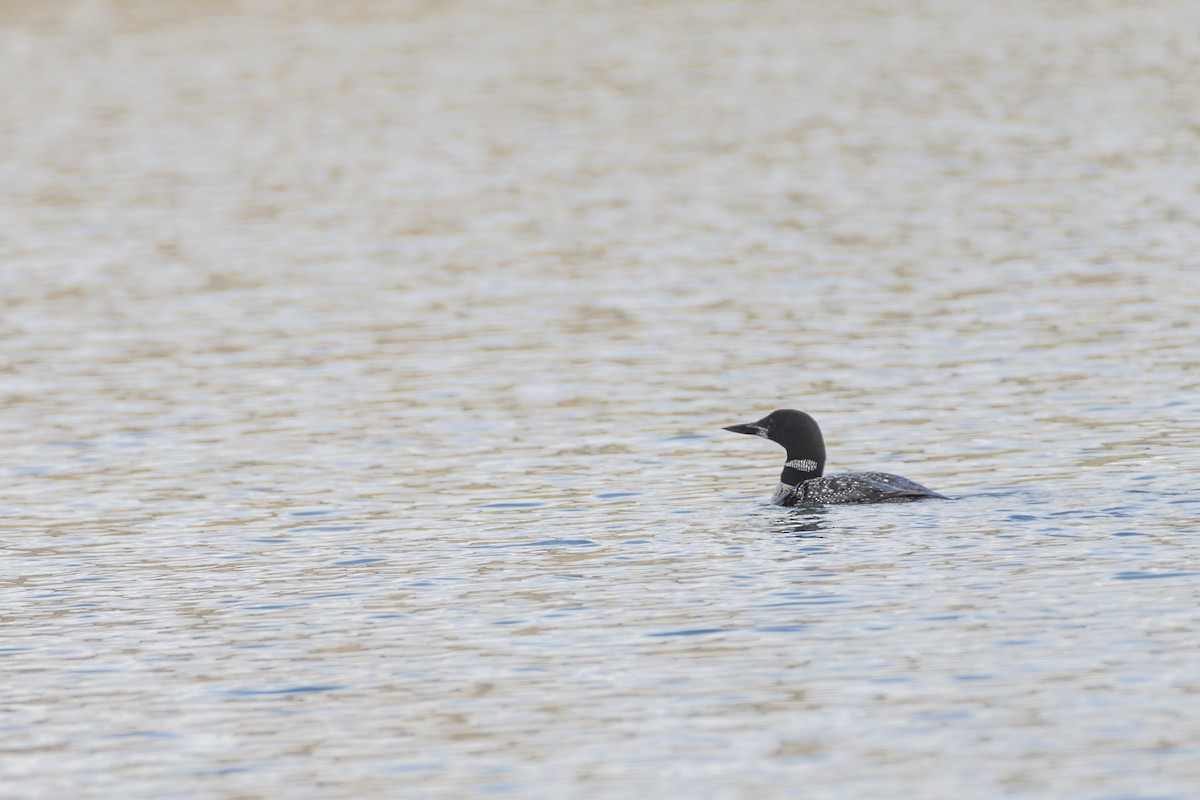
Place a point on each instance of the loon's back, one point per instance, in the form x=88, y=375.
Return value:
x=852, y=487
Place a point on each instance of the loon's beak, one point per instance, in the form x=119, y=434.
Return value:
x=753, y=429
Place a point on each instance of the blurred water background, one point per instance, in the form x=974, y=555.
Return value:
x=363, y=365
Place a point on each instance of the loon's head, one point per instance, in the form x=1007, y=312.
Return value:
x=799, y=435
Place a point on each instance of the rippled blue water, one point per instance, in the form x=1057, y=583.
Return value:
x=364, y=372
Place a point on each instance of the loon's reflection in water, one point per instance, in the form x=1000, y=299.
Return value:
x=807, y=523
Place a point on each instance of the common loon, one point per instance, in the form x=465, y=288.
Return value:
x=803, y=483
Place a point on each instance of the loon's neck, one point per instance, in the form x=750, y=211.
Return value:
x=798, y=470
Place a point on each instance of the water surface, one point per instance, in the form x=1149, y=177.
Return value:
x=364, y=371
